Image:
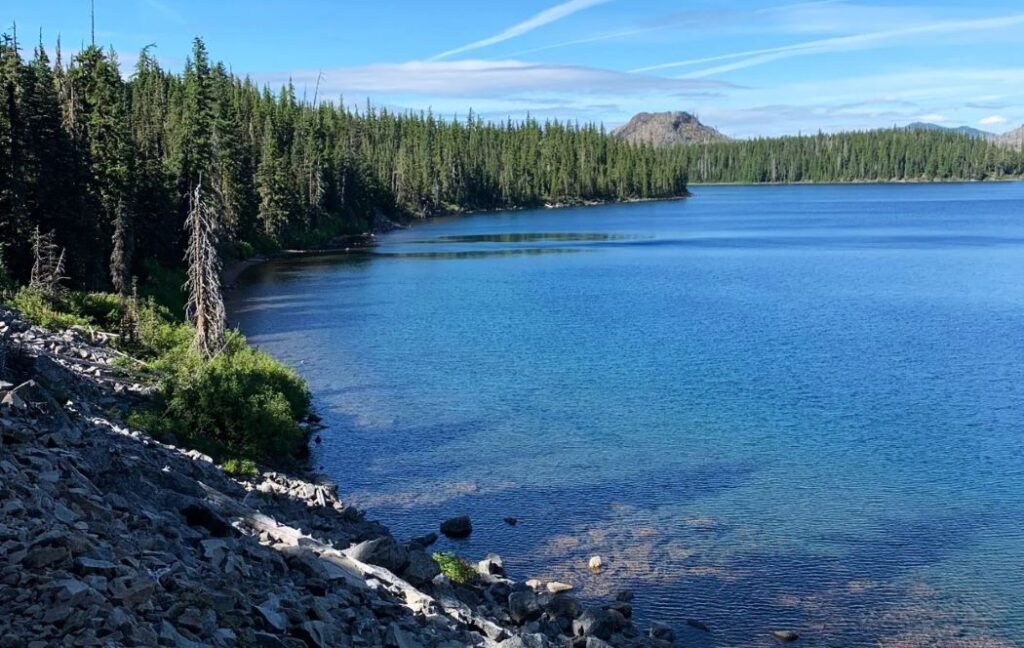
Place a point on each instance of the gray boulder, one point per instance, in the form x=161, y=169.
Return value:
x=523, y=606
x=561, y=606
x=492, y=565
x=384, y=552
x=421, y=569
x=457, y=527
x=594, y=622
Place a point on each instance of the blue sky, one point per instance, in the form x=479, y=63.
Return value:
x=749, y=67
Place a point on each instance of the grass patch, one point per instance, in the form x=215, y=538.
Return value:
x=240, y=468
x=455, y=568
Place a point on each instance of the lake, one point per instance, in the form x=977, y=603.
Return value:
x=764, y=407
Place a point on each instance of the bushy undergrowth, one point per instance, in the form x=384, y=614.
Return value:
x=50, y=314
x=240, y=405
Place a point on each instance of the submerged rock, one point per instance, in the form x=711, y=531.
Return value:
x=424, y=541
x=785, y=635
x=556, y=587
x=662, y=632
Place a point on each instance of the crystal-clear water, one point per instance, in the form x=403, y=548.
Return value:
x=764, y=407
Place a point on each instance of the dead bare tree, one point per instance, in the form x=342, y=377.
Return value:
x=6, y=283
x=205, y=302
x=47, y=266
x=130, y=318
x=121, y=256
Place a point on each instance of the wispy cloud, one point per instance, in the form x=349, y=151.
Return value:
x=546, y=17
x=593, y=39
x=751, y=58
x=167, y=11
x=933, y=118
x=476, y=78
x=993, y=120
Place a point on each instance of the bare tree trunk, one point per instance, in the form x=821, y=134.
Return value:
x=121, y=256
x=47, y=266
x=205, y=302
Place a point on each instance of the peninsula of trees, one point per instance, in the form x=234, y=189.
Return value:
x=108, y=164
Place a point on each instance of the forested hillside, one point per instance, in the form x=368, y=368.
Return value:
x=872, y=156
x=108, y=163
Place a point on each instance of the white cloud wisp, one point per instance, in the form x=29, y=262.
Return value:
x=546, y=17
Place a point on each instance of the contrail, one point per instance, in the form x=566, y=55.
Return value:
x=857, y=41
x=546, y=17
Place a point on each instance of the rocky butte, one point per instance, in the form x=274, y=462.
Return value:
x=667, y=129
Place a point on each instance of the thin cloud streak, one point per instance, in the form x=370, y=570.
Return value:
x=592, y=39
x=546, y=17
x=478, y=78
x=167, y=11
x=645, y=30
x=842, y=43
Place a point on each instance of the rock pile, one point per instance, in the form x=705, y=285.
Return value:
x=109, y=538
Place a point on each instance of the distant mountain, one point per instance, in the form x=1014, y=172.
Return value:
x=666, y=129
x=964, y=130
x=1013, y=139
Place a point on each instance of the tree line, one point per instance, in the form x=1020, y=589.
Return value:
x=109, y=165
x=106, y=167
x=871, y=156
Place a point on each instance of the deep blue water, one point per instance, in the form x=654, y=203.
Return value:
x=764, y=407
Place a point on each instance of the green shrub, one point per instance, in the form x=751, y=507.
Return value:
x=102, y=309
x=244, y=250
x=455, y=568
x=158, y=333
x=165, y=286
x=240, y=404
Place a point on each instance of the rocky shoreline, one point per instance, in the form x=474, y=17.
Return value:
x=110, y=538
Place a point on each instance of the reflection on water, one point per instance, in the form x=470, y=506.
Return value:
x=476, y=254
x=771, y=407
x=527, y=237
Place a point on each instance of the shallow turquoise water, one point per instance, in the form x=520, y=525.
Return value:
x=765, y=407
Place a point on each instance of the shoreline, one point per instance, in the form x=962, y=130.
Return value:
x=354, y=243
x=804, y=183
x=233, y=271
x=119, y=539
